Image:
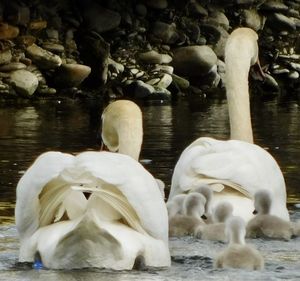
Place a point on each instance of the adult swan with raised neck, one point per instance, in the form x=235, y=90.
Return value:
x=235, y=169
x=122, y=224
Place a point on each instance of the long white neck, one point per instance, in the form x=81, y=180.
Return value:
x=237, y=91
x=130, y=140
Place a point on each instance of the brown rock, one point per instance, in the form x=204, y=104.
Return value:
x=8, y=31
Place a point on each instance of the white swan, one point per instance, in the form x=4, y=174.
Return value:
x=123, y=222
x=264, y=224
x=238, y=254
x=237, y=168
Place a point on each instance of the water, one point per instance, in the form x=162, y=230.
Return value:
x=26, y=130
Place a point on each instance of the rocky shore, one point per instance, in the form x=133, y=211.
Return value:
x=147, y=49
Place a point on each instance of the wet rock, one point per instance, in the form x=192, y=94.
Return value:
x=181, y=82
x=99, y=19
x=25, y=40
x=164, y=68
x=12, y=66
x=157, y=4
x=71, y=75
x=141, y=10
x=17, y=13
x=193, y=60
x=53, y=47
x=43, y=58
x=8, y=31
x=167, y=33
x=24, y=82
x=281, y=22
x=165, y=81
x=273, y=6
x=219, y=18
x=5, y=56
x=154, y=57
x=252, y=19
x=196, y=10
x=38, y=25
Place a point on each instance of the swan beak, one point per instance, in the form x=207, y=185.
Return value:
x=257, y=72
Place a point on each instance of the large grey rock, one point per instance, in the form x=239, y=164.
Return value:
x=281, y=22
x=167, y=33
x=154, y=57
x=5, y=56
x=71, y=75
x=193, y=60
x=24, y=82
x=43, y=58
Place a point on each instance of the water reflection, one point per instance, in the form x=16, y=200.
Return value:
x=69, y=126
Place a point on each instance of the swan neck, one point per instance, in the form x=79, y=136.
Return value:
x=237, y=91
x=130, y=142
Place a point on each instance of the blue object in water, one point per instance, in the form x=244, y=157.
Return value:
x=38, y=265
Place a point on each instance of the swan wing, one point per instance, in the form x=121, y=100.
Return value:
x=243, y=166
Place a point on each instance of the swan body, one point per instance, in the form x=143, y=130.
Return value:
x=237, y=168
x=266, y=225
x=238, y=254
x=123, y=219
x=122, y=222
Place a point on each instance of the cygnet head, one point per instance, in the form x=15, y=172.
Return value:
x=174, y=206
x=235, y=230
x=222, y=211
x=193, y=205
x=262, y=202
x=207, y=192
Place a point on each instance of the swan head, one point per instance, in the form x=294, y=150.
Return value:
x=262, y=202
x=235, y=230
x=122, y=128
x=222, y=211
x=174, y=206
x=194, y=205
x=207, y=192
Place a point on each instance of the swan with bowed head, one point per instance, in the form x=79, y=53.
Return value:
x=237, y=168
x=120, y=224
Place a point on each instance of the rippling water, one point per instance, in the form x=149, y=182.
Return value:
x=72, y=126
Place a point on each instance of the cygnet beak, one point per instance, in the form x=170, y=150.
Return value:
x=254, y=212
x=204, y=217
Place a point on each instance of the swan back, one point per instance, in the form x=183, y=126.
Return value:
x=122, y=128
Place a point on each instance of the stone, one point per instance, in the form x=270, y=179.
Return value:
x=5, y=56
x=252, y=19
x=12, y=66
x=167, y=33
x=25, y=40
x=273, y=6
x=153, y=57
x=71, y=75
x=8, y=31
x=164, y=68
x=43, y=58
x=197, y=10
x=53, y=47
x=180, y=82
x=157, y=4
x=193, y=60
x=117, y=67
x=281, y=22
x=99, y=19
x=24, y=82
x=165, y=81
x=219, y=18
x=37, y=25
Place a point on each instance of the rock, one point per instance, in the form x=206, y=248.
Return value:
x=99, y=19
x=154, y=57
x=252, y=19
x=295, y=66
x=118, y=67
x=38, y=25
x=12, y=66
x=219, y=18
x=43, y=58
x=24, y=82
x=71, y=75
x=281, y=22
x=165, y=81
x=141, y=10
x=157, y=4
x=164, y=68
x=16, y=13
x=25, y=40
x=193, y=60
x=293, y=75
x=180, y=82
x=167, y=33
x=5, y=56
x=8, y=31
x=53, y=47
x=196, y=10
x=273, y=6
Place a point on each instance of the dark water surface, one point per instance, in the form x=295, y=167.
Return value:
x=27, y=130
